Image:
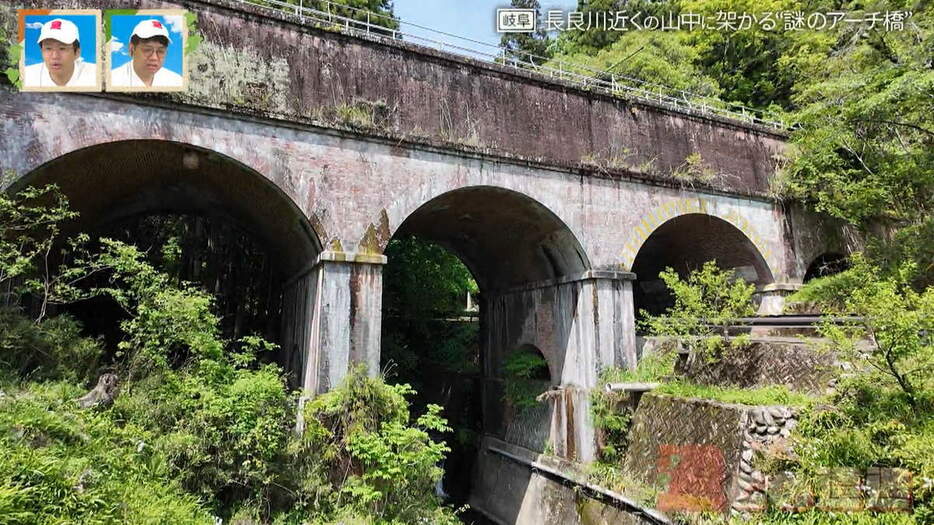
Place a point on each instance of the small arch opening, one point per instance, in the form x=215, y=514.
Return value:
x=825, y=265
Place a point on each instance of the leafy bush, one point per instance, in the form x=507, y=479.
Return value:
x=199, y=426
x=366, y=456
x=891, y=343
x=64, y=465
x=705, y=304
x=50, y=349
x=882, y=413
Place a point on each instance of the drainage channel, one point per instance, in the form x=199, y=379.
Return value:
x=595, y=492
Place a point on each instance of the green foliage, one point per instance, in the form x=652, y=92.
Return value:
x=891, y=342
x=753, y=66
x=810, y=517
x=864, y=147
x=377, y=463
x=525, y=377
x=909, y=252
x=764, y=395
x=611, y=416
x=659, y=368
x=198, y=427
x=590, y=41
x=376, y=12
x=30, y=222
x=664, y=59
x=53, y=349
x=608, y=475
x=527, y=47
x=10, y=62
x=427, y=280
x=883, y=412
x=64, y=465
x=424, y=298
x=705, y=304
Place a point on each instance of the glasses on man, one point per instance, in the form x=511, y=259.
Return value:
x=158, y=51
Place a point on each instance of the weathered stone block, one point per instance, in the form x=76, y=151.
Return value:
x=761, y=363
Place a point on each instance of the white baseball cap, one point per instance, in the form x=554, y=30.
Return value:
x=59, y=29
x=151, y=28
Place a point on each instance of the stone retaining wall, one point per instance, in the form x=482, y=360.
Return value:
x=795, y=365
x=690, y=448
x=701, y=454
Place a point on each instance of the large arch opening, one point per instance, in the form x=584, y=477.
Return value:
x=685, y=243
x=239, y=235
x=503, y=240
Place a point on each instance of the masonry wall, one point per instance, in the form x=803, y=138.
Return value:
x=690, y=448
x=256, y=61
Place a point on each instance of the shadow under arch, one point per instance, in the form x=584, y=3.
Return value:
x=517, y=250
x=505, y=237
x=826, y=264
x=685, y=243
x=108, y=182
x=112, y=183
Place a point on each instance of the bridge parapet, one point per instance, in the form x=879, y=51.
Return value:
x=270, y=64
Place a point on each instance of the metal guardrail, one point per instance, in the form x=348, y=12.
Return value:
x=588, y=78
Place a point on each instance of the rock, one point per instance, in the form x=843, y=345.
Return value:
x=772, y=430
x=102, y=394
x=746, y=455
x=745, y=467
x=747, y=507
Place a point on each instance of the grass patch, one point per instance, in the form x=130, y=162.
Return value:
x=659, y=368
x=767, y=395
x=611, y=477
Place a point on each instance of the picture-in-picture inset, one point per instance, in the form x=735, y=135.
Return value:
x=146, y=51
x=61, y=50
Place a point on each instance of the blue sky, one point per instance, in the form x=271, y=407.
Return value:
x=122, y=27
x=87, y=35
x=473, y=19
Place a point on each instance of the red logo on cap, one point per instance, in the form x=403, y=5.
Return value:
x=57, y=24
x=156, y=24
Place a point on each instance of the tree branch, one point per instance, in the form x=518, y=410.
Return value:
x=895, y=123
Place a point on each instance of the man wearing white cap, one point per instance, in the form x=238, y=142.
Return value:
x=61, y=64
x=148, y=46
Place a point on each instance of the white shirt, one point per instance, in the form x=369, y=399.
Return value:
x=125, y=76
x=84, y=75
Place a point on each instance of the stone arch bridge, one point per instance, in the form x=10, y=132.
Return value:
x=564, y=203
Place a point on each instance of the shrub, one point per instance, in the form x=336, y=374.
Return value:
x=51, y=349
x=705, y=304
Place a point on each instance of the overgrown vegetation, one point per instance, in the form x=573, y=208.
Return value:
x=196, y=427
x=525, y=377
x=431, y=341
x=882, y=413
x=705, y=303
